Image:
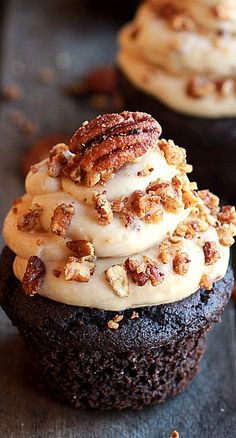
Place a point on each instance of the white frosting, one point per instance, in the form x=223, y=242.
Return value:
x=112, y=243
x=159, y=59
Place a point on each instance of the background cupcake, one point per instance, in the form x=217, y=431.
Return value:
x=116, y=266
x=177, y=61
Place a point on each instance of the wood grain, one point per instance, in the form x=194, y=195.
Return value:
x=43, y=34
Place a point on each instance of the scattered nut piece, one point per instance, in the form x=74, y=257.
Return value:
x=82, y=248
x=175, y=434
x=103, y=208
x=174, y=155
x=29, y=221
x=181, y=263
x=226, y=233
x=134, y=315
x=118, y=279
x=142, y=203
x=118, y=318
x=205, y=282
x=169, y=195
x=58, y=158
x=210, y=200
x=34, y=275
x=61, y=219
x=112, y=325
x=211, y=253
x=227, y=215
x=77, y=270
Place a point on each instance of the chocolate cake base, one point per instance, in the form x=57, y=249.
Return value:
x=210, y=143
x=88, y=365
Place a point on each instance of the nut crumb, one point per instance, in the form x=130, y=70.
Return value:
x=56, y=273
x=175, y=434
x=134, y=315
x=205, y=282
x=113, y=325
x=211, y=253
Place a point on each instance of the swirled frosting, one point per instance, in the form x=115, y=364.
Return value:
x=185, y=46
x=184, y=245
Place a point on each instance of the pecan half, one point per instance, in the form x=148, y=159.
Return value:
x=117, y=277
x=34, y=275
x=112, y=140
x=61, y=219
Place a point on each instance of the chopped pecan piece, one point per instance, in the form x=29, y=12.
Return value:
x=189, y=198
x=118, y=205
x=103, y=208
x=205, y=282
x=144, y=271
x=211, y=253
x=175, y=434
x=29, y=221
x=142, y=203
x=134, y=315
x=169, y=194
x=210, y=200
x=227, y=215
x=34, y=275
x=181, y=263
x=61, y=219
x=113, y=325
x=82, y=248
x=78, y=270
x=58, y=158
x=112, y=140
x=174, y=155
x=117, y=277
x=226, y=233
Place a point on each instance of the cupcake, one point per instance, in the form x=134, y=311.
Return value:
x=116, y=266
x=177, y=61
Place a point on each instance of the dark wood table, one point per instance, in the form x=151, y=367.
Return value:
x=69, y=39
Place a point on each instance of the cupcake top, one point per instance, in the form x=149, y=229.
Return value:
x=187, y=46
x=113, y=222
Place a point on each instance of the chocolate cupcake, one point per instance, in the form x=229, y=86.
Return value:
x=177, y=61
x=116, y=266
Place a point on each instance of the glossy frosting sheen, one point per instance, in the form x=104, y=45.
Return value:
x=112, y=243
x=157, y=58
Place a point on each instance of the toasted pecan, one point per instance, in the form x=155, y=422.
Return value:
x=211, y=253
x=82, y=248
x=117, y=277
x=61, y=219
x=77, y=269
x=30, y=220
x=34, y=275
x=111, y=140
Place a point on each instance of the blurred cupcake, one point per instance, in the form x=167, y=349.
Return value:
x=177, y=61
x=116, y=266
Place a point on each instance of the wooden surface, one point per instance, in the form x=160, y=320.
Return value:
x=70, y=39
